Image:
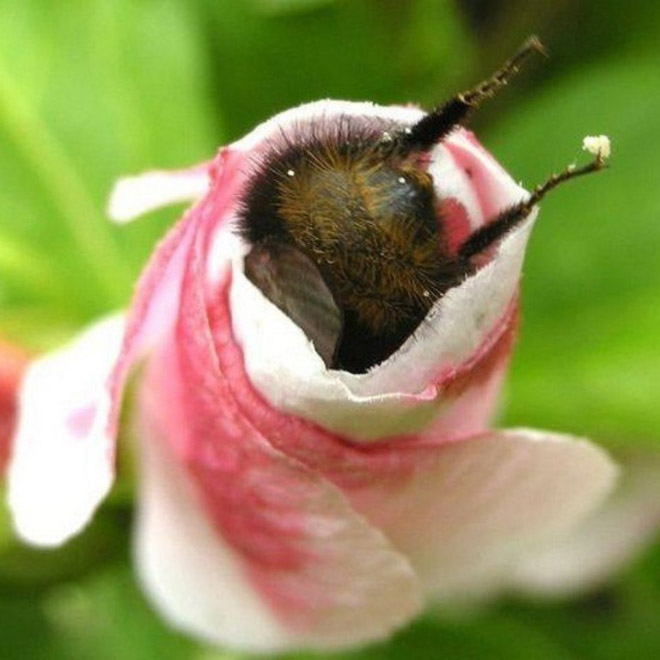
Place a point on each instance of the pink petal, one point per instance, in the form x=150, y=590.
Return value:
x=134, y=196
x=488, y=181
x=12, y=365
x=605, y=543
x=62, y=461
x=270, y=554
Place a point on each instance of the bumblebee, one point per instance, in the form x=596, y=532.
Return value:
x=347, y=230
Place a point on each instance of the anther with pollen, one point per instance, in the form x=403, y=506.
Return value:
x=489, y=234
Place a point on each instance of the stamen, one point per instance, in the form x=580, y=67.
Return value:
x=490, y=233
x=599, y=145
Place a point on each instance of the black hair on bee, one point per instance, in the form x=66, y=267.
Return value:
x=347, y=230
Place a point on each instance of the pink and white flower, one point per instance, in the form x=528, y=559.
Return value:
x=284, y=504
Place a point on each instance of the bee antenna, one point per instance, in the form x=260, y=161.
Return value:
x=511, y=217
x=440, y=121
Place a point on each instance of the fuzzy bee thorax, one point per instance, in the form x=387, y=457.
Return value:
x=368, y=223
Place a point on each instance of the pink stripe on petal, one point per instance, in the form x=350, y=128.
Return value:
x=451, y=182
x=326, y=577
x=155, y=307
x=456, y=222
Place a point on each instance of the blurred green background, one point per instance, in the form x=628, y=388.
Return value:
x=93, y=89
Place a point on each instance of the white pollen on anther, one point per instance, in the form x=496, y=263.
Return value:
x=386, y=137
x=402, y=179
x=290, y=173
x=598, y=145
x=407, y=131
x=426, y=293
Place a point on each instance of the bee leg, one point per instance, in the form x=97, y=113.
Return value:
x=438, y=123
x=493, y=231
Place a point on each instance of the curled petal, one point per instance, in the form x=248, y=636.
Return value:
x=467, y=512
x=605, y=543
x=405, y=392
x=290, y=374
x=62, y=461
x=134, y=196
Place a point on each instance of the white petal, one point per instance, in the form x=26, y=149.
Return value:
x=203, y=587
x=62, y=463
x=605, y=543
x=328, y=109
x=472, y=509
x=134, y=196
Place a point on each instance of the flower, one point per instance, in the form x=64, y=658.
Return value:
x=284, y=504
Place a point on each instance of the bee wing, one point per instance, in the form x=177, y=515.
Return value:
x=292, y=282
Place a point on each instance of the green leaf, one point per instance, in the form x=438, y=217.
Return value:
x=106, y=617
x=274, y=7
x=89, y=91
x=387, y=52
x=25, y=569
